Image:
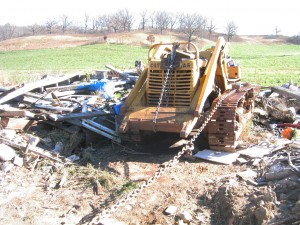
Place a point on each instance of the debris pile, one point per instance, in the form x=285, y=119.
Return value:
x=74, y=104
x=269, y=188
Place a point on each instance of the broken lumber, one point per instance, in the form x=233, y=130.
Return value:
x=30, y=148
x=55, y=108
x=7, y=111
x=65, y=88
x=122, y=74
x=84, y=115
x=16, y=123
x=286, y=92
x=34, y=85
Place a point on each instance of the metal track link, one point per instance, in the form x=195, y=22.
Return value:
x=227, y=123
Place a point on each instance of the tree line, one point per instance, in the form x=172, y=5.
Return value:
x=190, y=24
x=123, y=20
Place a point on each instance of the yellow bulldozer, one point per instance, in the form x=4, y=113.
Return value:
x=179, y=86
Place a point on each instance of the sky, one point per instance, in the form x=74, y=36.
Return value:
x=253, y=17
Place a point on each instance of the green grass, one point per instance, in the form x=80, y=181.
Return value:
x=268, y=64
x=18, y=65
x=260, y=64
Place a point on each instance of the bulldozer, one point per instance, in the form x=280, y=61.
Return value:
x=179, y=85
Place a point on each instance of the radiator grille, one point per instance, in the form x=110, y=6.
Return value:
x=179, y=89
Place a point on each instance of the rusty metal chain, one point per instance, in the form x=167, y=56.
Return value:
x=163, y=167
x=169, y=71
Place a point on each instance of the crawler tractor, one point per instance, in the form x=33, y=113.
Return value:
x=179, y=86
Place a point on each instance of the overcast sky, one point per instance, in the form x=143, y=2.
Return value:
x=251, y=16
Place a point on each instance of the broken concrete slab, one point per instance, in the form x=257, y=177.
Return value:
x=171, y=210
x=218, y=157
x=247, y=174
x=6, y=166
x=257, y=151
x=186, y=216
x=6, y=152
x=8, y=133
x=18, y=161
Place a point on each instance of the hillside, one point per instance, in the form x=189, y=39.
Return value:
x=131, y=38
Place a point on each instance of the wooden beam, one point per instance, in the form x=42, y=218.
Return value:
x=30, y=148
x=34, y=85
x=122, y=74
x=287, y=92
x=14, y=112
x=55, y=117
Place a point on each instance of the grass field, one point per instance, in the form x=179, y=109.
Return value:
x=268, y=64
x=260, y=64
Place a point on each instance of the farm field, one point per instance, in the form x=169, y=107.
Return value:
x=265, y=64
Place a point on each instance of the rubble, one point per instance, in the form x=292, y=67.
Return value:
x=78, y=107
x=171, y=210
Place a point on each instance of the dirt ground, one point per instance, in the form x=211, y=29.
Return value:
x=209, y=193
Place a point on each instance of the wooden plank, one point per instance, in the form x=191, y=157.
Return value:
x=123, y=74
x=34, y=85
x=16, y=123
x=287, y=92
x=65, y=88
x=33, y=149
x=14, y=112
x=55, y=108
x=84, y=115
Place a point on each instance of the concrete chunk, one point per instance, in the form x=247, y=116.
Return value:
x=6, y=153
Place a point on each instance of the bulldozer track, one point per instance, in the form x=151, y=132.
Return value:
x=227, y=123
x=96, y=218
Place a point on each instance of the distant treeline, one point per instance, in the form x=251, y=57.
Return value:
x=191, y=25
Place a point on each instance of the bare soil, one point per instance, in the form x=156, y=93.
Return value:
x=210, y=193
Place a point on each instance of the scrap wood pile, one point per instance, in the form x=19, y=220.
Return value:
x=72, y=103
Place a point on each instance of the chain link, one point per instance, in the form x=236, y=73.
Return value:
x=169, y=71
x=163, y=167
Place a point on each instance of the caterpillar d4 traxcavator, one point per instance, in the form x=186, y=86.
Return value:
x=179, y=86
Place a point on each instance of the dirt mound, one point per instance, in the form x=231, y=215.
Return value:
x=241, y=204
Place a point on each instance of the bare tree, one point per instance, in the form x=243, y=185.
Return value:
x=152, y=18
x=191, y=24
x=144, y=19
x=162, y=20
x=277, y=31
x=126, y=19
x=65, y=23
x=103, y=23
x=211, y=27
x=95, y=24
x=7, y=31
x=297, y=37
x=114, y=22
x=231, y=29
x=86, y=20
x=50, y=25
x=35, y=29
x=173, y=20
